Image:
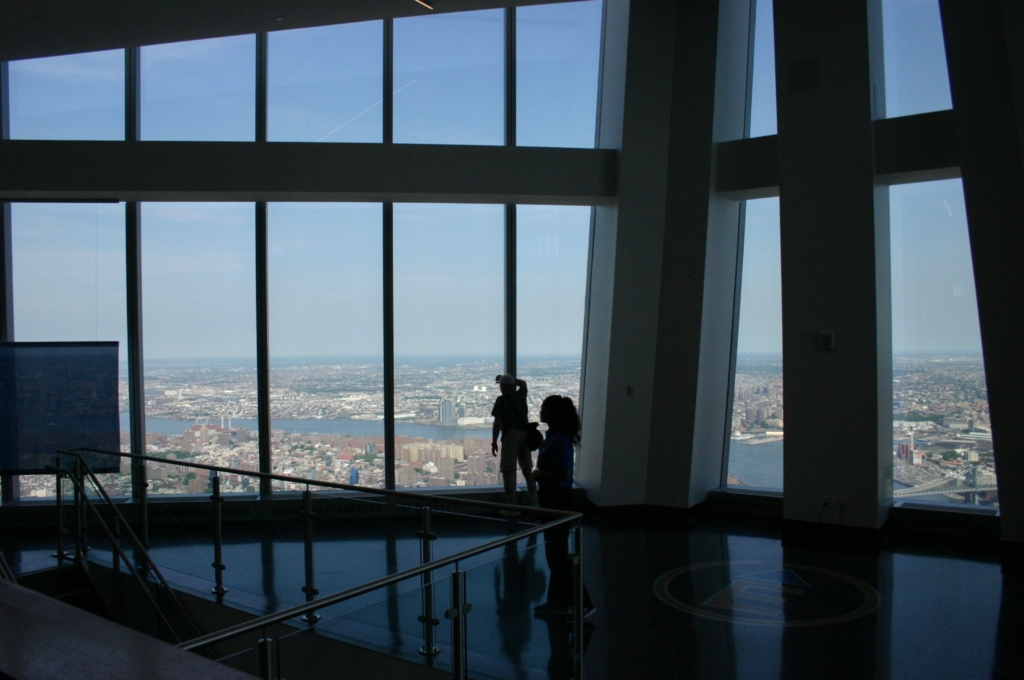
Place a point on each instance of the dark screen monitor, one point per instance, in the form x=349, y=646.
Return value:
x=57, y=396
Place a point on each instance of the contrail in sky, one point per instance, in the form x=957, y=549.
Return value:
x=377, y=103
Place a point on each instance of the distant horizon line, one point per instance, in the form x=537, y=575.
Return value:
x=498, y=358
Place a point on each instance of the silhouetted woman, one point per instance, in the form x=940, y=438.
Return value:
x=554, y=481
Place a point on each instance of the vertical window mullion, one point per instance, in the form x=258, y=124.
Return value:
x=263, y=349
x=510, y=209
x=6, y=287
x=389, y=268
x=9, y=486
x=510, y=289
x=388, y=95
x=8, y=483
x=261, y=87
x=133, y=289
x=388, y=248
x=262, y=293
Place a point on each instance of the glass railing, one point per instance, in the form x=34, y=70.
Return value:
x=314, y=578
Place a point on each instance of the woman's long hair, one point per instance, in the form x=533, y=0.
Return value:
x=562, y=416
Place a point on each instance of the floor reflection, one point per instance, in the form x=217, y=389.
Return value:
x=518, y=584
x=746, y=605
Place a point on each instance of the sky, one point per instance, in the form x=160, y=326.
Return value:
x=325, y=259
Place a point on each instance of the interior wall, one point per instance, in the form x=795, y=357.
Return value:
x=984, y=56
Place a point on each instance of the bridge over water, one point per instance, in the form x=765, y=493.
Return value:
x=962, y=480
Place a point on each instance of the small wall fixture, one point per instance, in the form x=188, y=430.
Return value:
x=429, y=4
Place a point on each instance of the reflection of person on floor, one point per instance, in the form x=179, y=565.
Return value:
x=510, y=420
x=517, y=584
x=560, y=663
x=554, y=479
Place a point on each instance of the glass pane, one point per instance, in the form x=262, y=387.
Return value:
x=199, y=292
x=326, y=340
x=326, y=84
x=942, y=437
x=916, y=80
x=762, y=92
x=755, y=448
x=450, y=78
x=449, y=321
x=78, y=96
x=69, y=285
x=551, y=289
x=558, y=54
x=202, y=90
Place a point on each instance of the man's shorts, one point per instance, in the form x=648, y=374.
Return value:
x=515, y=450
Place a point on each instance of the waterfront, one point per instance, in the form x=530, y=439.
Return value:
x=354, y=428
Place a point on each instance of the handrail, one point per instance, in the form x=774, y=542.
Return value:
x=113, y=542
x=330, y=485
x=298, y=610
x=140, y=548
x=558, y=517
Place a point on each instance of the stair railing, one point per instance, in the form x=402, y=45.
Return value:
x=121, y=524
x=546, y=518
x=6, y=573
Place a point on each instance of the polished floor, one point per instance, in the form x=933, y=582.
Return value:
x=715, y=597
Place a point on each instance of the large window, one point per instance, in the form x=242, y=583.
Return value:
x=551, y=278
x=449, y=316
x=78, y=96
x=326, y=341
x=69, y=285
x=449, y=78
x=916, y=79
x=203, y=90
x=942, y=436
x=763, y=119
x=756, y=442
x=199, y=311
x=557, y=57
x=326, y=84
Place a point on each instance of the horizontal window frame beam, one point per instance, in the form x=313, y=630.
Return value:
x=919, y=148
x=291, y=171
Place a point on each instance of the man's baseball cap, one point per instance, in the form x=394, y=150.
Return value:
x=506, y=380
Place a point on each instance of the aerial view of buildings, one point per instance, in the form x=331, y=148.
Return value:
x=942, y=437
x=328, y=424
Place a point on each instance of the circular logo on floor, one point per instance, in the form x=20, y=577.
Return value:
x=766, y=593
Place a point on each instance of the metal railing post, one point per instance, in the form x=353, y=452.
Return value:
x=426, y=537
x=577, y=600
x=307, y=536
x=218, y=537
x=79, y=512
x=457, y=615
x=116, y=567
x=59, y=554
x=143, y=504
x=264, y=658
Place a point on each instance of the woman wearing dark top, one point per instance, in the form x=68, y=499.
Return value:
x=554, y=486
